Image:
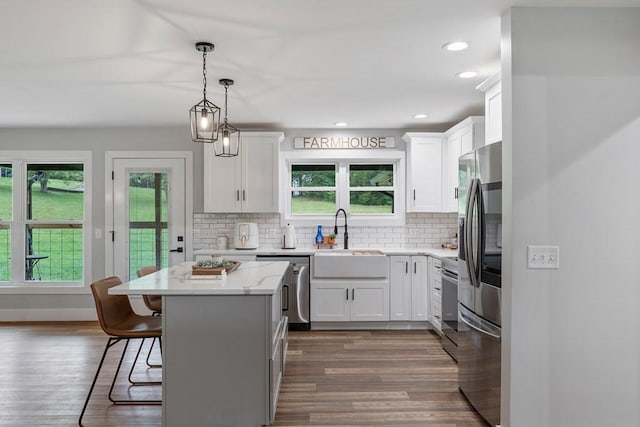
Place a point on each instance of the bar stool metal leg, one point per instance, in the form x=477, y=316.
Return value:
x=110, y=343
x=135, y=361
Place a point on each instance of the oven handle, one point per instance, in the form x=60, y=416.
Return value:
x=478, y=327
x=449, y=275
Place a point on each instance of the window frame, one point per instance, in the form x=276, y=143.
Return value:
x=19, y=160
x=342, y=159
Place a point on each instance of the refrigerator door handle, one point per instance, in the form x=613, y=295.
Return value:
x=475, y=325
x=479, y=231
x=469, y=232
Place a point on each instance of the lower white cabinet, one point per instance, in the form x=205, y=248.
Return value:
x=353, y=300
x=276, y=366
x=435, y=288
x=408, y=288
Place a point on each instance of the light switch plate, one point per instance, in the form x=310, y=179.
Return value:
x=543, y=257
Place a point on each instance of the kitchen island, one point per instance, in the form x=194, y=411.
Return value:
x=224, y=343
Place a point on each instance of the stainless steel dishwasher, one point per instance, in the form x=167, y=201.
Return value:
x=296, y=290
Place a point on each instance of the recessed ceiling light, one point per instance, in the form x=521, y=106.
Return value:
x=420, y=116
x=467, y=74
x=455, y=46
x=340, y=124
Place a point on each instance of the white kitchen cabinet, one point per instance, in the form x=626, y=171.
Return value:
x=408, y=291
x=460, y=139
x=399, y=288
x=353, y=300
x=247, y=182
x=435, y=289
x=329, y=302
x=419, y=289
x=492, y=89
x=424, y=173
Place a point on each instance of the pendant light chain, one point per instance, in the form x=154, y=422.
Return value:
x=226, y=88
x=204, y=74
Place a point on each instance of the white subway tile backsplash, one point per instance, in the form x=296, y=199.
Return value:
x=420, y=230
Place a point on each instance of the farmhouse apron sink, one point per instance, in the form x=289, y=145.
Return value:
x=361, y=264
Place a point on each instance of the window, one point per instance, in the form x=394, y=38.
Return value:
x=43, y=206
x=6, y=214
x=368, y=189
x=313, y=189
x=371, y=189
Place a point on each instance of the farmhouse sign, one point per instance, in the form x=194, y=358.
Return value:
x=344, y=142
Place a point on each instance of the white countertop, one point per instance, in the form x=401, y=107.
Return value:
x=436, y=252
x=251, y=278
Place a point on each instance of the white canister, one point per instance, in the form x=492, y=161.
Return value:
x=222, y=242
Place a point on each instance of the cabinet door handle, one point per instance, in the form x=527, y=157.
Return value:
x=414, y=194
x=406, y=267
x=347, y=294
x=415, y=268
x=243, y=196
x=353, y=294
x=238, y=195
x=437, y=289
x=436, y=316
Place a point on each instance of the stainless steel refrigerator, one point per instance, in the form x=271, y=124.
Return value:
x=479, y=279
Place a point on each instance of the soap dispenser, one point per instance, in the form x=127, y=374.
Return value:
x=319, y=236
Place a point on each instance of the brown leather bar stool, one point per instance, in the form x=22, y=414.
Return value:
x=118, y=320
x=153, y=303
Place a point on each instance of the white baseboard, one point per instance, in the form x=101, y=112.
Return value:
x=395, y=325
x=47, y=314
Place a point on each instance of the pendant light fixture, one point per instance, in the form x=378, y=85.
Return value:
x=205, y=115
x=228, y=143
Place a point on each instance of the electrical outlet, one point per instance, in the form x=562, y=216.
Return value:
x=543, y=257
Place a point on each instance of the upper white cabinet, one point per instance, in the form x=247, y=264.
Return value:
x=460, y=139
x=492, y=89
x=424, y=174
x=248, y=182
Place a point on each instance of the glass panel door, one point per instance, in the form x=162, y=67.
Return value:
x=148, y=233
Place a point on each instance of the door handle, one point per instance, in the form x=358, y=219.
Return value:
x=353, y=294
x=179, y=250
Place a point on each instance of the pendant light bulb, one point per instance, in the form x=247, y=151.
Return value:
x=225, y=138
x=204, y=120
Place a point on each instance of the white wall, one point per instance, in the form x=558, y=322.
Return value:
x=572, y=82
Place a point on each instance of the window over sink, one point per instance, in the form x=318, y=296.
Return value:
x=368, y=188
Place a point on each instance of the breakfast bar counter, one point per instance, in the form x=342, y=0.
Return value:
x=224, y=343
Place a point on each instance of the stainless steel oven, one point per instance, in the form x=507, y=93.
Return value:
x=449, y=273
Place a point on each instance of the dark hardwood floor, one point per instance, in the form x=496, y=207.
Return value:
x=355, y=378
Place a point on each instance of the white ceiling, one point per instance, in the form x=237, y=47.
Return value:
x=296, y=63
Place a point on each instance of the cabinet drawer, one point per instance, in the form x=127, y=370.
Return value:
x=437, y=287
x=285, y=342
x=275, y=377
x=437, y=316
